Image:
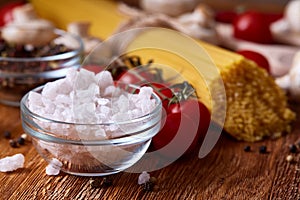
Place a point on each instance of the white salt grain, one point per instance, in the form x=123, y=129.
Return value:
x=11, y=163
x=144, y=177
x=104, y=79
x=54, y=167
x=84, y=79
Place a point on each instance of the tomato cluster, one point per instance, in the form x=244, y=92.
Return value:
x=253, y=26
x=250, y=25
x=185, y=119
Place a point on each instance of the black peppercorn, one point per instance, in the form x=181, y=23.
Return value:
x=7, y=134
x=247, y=148
x=262, y=149
x=21, y=141
x=13, y=143
x=148, y=186
x=107, y=181
x=95, y=183
x=293, y=148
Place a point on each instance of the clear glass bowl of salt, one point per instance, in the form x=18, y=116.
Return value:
x=89, y=125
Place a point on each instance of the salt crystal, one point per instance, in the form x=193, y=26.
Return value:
x=105, y=110
x=104, y=79
x=110, y=90
x=11, y=163
x=49, y=107
x=84, y=79
x=102, y=101
x=145, y=93
x=144, y=177
x=54, y=167
x=88, y=94
x=71, y=75
x=62, y=99
x=122, y=103
x=35, y=99
x=85, y=112
x=50, y=89
x=135, y=113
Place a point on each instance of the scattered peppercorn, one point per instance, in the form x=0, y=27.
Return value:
x=153, y=180
x=247, y=148
x=293, y=148
x=263, y=149
x=148, y=186
x=24, y=136
x=13, y=143
x=298, y=144
x=21, y=141
x=95, y=183
x=107, y=181
x=289, y=158
x=7, y=134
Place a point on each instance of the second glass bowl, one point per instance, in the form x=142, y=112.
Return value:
x=20, y=74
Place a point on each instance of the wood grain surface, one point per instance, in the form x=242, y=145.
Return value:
x=226, y=173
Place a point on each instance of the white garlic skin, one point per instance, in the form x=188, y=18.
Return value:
x=291, y=81
x=168, y=7
x=295, y=77
x=292, y=15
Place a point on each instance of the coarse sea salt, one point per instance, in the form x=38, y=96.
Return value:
x=11, y=163
x=144, y=177
x=54, y=167
x=88, y=98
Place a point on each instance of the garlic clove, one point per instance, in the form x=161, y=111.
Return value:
x=292, y=15
x=27, y=29
x=291, y=81
x=171, y=8
x=24, y=13
x=79, y=28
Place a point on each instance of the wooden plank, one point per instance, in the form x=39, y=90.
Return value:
x=226, y=173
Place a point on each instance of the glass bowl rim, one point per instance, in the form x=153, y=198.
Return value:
x=60, y=56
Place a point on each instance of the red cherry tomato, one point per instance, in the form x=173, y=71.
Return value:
x=162, y=90
x=6, y=11
x=272, y=17
x=225, y=16
x=258, y=58
x=137, y=77
x=189, y=108
x=178, y=135
x=94, y=68
x=252, y=26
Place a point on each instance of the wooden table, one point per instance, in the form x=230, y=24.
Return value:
x=226, y=173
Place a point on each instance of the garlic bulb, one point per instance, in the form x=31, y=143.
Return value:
x=291, y=81
x=27, y=28
x=292, y=15
x=168, y=7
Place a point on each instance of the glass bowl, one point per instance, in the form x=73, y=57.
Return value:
x=84, y=154
x=20, y=74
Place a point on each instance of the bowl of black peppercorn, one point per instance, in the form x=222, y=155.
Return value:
x=24, y=67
